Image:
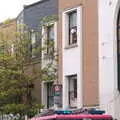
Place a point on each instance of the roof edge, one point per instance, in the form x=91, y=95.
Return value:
x=41, y=1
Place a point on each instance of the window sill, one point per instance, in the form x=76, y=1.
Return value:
x=71, y=46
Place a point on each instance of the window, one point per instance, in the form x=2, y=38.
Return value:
x=72, y=90
x=12, y=49
x=33, y=42
x=33, y=36
x=50, y=39
x=72, y=27
x=75, y=87
x=50, y=95
x=118, y=49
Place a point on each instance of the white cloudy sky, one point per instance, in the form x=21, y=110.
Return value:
x=11, y=8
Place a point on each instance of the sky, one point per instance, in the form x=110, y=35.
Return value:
x=11, y=8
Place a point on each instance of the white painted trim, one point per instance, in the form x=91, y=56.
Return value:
x=80, y=83
x=65, y=93
x=108, y=94
x=79, y=40
x=43, y=94
x=65, y=30
x=42, y=43
x=70, y=10
x=55, y=35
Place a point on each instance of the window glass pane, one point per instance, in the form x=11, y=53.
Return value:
x=51, y=32
x=72, y=27
x=119, y=39
x=75, y=88
x=73, y=35
x=33, y=37
x=50, y=95
x=73, y=19
x=72, y=91
x=50, y=39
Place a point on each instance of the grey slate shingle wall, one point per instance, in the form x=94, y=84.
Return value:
x=34, y=12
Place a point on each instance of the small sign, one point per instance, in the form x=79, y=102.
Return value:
x=58, y=94
x=57, y=88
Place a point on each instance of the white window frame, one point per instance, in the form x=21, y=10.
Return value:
x=44, y=35
x=67, y=50
x=65, y=26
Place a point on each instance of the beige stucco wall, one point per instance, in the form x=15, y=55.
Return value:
x=7, y=32
x=90, y=47
x=32, y=69
x=8, y=27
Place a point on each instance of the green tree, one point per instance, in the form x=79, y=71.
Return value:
x=15, y=84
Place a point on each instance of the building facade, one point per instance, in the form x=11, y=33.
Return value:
x=31, y=16
x=109, y=89
x=86, y=37
x=78, y=52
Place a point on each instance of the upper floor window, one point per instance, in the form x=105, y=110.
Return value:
x=72, y=27
x=50, y=39
x=33, y=42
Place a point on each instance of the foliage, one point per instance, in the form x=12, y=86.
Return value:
x=7, y=21
x=15, y=58
x=47, y=20
x=48, y=71
x=15, y=85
